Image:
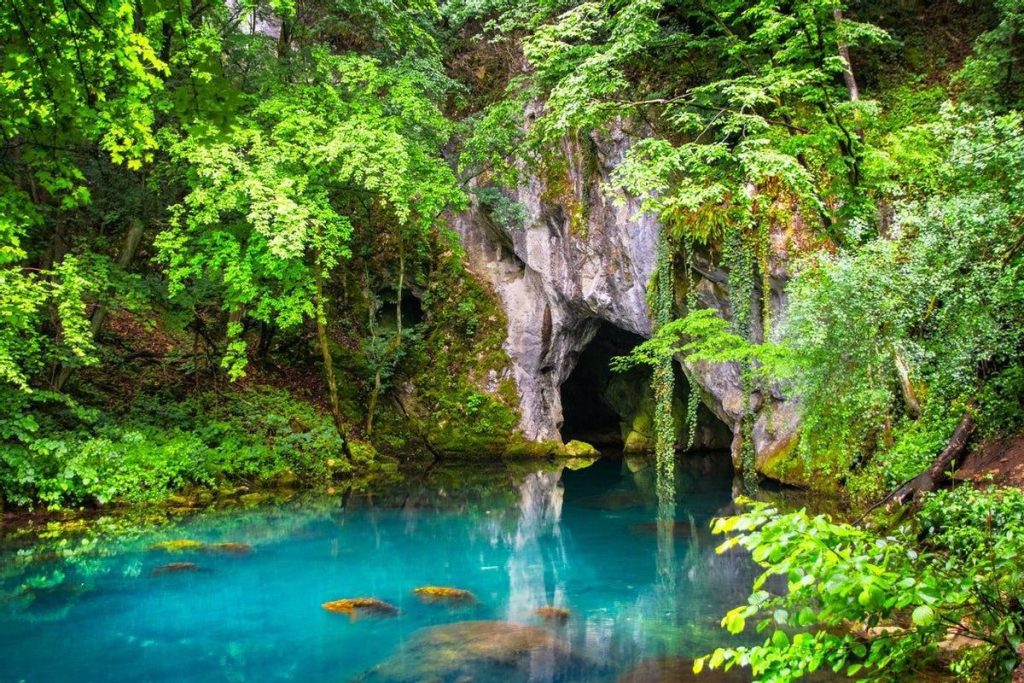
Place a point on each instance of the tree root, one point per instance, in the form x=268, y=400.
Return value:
x=951, y=457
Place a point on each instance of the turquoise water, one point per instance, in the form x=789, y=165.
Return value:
x=586, y=540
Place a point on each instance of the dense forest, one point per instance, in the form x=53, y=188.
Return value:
x=229, y=255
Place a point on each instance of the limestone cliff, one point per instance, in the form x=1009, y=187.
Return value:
x=584, y=257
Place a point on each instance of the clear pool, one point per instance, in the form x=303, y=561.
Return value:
x=641, y=598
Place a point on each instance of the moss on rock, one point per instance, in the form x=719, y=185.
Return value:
x=580, y=449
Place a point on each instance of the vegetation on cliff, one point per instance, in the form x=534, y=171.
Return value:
x=220, y=222
x=224, y=258
x=866, y=156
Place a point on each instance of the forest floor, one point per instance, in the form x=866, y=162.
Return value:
x=999, y=462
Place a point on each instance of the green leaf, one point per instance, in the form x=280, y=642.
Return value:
x=923, y=615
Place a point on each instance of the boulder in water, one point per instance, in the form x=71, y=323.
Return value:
x=676, y=527
x=580, y=449
x=175, y=568
x=183, y=545
x=456, y=596
x=481, y=650
x=355, y=607
x=231, y=548
x=551, y=614
x=616, y=500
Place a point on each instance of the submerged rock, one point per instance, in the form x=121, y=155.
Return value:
x=231, y=548
x=558, y=615
x=615, y=501
x=175, y=568
x=678, y=528
x=188, y=545
x=480, y=650
x=355, y=607
x=178, y=546
x=680, y=670
x=445, y=594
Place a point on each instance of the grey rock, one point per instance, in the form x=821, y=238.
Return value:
x=556, y=286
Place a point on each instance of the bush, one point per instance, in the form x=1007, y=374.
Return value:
x=879, y=605
x=160, y=445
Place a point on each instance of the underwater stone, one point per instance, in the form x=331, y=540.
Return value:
x=481, y=650
x=677, y=528
x=175, y=568
x=549, y=613
x=354, y=607
x=444, y=594
x=231, y=548
x=178, y=546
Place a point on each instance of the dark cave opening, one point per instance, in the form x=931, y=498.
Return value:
x=588, y=412
x=614, y=411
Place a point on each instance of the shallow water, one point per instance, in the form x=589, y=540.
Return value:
x=587, y=540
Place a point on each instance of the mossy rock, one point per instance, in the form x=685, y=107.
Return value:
x=183, y=545
x=257, y=498
x=482, y=650
x=580, y=449
x=285, y=479
x=354, y=607
x=532, y=449
x=638, y=442
x=554, y=615
x=175, y=568
x=230, y=548
x=362, y=451
x=432, y=594
x=783, y=465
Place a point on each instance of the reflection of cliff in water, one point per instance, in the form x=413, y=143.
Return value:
x=533, y=567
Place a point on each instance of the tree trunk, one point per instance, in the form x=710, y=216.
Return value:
x=951, y=457
x=910, y=399
x=99, y=314
x=372, y=405
x=398, y=297
x=844, y=53
x=325, y=351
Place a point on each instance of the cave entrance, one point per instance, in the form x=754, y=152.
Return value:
x=590, y=411
x=615, y=410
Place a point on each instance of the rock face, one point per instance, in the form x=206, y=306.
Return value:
x=584, y=257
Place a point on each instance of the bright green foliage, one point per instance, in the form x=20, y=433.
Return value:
x=942, y=299
x=73, y=77
x=989, y=74
x=755, y=92
x=162, y=444
x=823, y=582
x=280, y=193
x=171, y=162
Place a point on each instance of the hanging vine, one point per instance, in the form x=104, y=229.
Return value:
x=693, y=395
x=741, y=255
x=664, y=379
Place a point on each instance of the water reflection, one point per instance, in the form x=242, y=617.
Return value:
x=623, y=545
x=531, y=585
